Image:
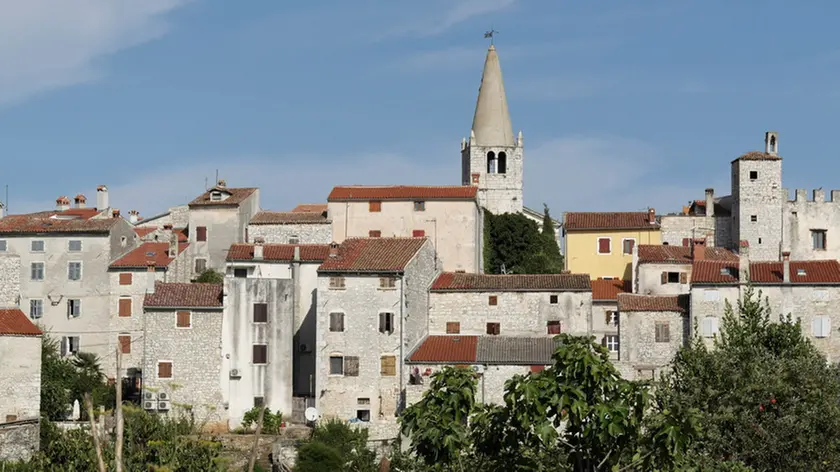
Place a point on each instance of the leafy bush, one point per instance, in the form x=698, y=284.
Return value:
x=336, y=446
x=210, y=276
x=272, y=422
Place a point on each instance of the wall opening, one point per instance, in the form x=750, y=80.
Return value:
x=491, y=162
x=501, y=163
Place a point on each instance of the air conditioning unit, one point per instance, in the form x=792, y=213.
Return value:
x=150, y=396
x=149, y=405
x=235, y=374
x=305, y=348
x=478, y=368
x=163, y=396
x=163, y=406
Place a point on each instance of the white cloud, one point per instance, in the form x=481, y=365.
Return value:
x=47, y=44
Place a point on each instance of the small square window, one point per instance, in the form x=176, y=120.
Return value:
x=709, y=327
x=240, y=273
x=363, y=401
x=183, y=319
x=453, y=327
x=754, y=218
x=294, y=239
x=74, y=271
x=553, y=327
x=627, y=246
x=215, y=196
x=37, y=271
x=3, y=245
x=336, y=282
x=552, y=299
x=200, y=265
x=822, y=326
x=74, y=245
x=494, y=328
x=363, y=415
x=374, y=233
x=753, y=175
x=388, y=366
x=259, y=401
x=611, y=318
x=418, y=233
x=74, y=308
x=336, y=322
x=260, y=354
x=124, y=306
x=612, y=342
x=164, y=370
x=419, y=206
x=493, y=300
x=604, y=245
x=36, y=309
x=386, y=323
x=387, y=282
x=673, y=277
x=125, y=278
x=336, y=365
x=818, y=239
x=37, y=246
x=663, y=332
x=374, y=206
x=201, y=234
x=260, y=312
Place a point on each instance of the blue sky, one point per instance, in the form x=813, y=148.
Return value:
x=623, y=105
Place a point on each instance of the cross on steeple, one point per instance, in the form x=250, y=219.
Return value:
x=491, y=34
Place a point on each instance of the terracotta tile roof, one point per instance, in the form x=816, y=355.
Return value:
x=373, y=255
x=724, y=273
x=237, y=196
x=402, y=192
x=144, y=231
x=181, y=295
x=461, y=282
x=288, y=218
x=139, y=257
x=497, y=350
x=633, y=302
x=650, y=253
x=613, y=220
x=758, y=156
x=310, y=208
x=608, y=290
x=280, y=252
x=76, y=220
x=14, y=322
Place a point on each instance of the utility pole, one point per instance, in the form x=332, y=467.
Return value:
x=118, y=446
x=94, y=433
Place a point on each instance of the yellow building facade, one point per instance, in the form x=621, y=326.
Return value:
x=601, y=244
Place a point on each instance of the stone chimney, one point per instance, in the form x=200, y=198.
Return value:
x=651, y=216
x=221, y=183
x=334, y=249
x=786, y=267
x=710, y=202
x=102, y=198
x=258, y=248
x=744, y=262
x=115, y=213
x=62, y=203
x=297, y=254
x=698, y=249
x=173, y=245
x=133, y=216
x=81, y=201
x=150, y=276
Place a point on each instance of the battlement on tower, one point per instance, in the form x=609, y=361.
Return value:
x=817, y=196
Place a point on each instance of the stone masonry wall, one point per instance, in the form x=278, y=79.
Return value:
x=600, y=326
x=650, y=279
x=643, y=350
x=19, y=440
x=761, y=198
x=802, y=216
x=498, y=193
x=305, y=233
x=20, y=382
x=10, y=281
x=489, y=389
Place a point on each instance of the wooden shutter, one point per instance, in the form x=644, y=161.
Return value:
x=201, y=233
x=125, y=278
x=493, y=300
x=493, y=328
x=336, y=321
x=351, y=366
x=537, y=368
x=183, y=319
x=683, y=277
x=260, y=354
x=125, y=307
x=603, y=245
x=374, y=233
x=554, y=327
x=374, y=206
x=125, y=344
x=418, y=233
x=630, y=244
x=165, y=370
x=453, y=327
x=388, y=366
x=260, y=313
x=664, y=278
x=686, y=241
x=10, y=418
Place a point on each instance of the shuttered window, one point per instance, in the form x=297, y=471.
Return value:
x=201, y=233
x=125, y=279
x=663, y=332
x=604, y=245
x=493, y=300
x=125, y=344
x=374, y=233
x=453, y=327
x=260, y=354
x=418, y=233
x=628, y=245
x=336, y=282
x=183, y=319
x=387, y=282
x=351, y=366
x=374, y=206
x=553, y=327
x=260, y=312
x=125, y=307
x=336, y=322
x=388, y=366
x=494, y=328
x=164, y=370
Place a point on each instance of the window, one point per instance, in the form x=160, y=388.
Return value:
x=363, y=415
x=493, y=300
x=259, y=401
x=822, y=326
x=336, y=282
x=801, y=272
x=36, y=309
x=260, y=354
x=201, y=265
x=501, y=165
x=388, y=366
x=37, y=246
x=74, y=245
x=10, y=418
x=627, y=246
x=611, y=318
x=711, y=295
x=336, y=365
x=686, y=242
x=419, y=206
x=201, y=233
x=293, y=239
x=183, y=319
x=418, y=233
x=374, y=233
x=351, y=366
x=125, y=278
x=753, y=218
x=125, y=343
x=553, y=327
x=337, y=322
x=611, y=341
x=363, y=401
x=374, y=206
x=709, y=327
x=604, y=245
x=759, y=240
x=260, y=312
x=386, y=323
x=74, y=271
x=818, y=239
x=453, y=327
x=123, y=241
x=37, y=271
x=70, y=345
x=74, y=308
x=491, y=162
x=215, y=196
x=164, y=370
x=663, y=332
x=125, y=306
x=552, y=299
x=3, y=245
x=494, y=328
x=240, y=273
x=753, y=175
x=387, y=282
x=674, y=278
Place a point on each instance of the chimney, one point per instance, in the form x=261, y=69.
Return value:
x=297, y=254
x=133, y=216
x=334, y=249
x=62, y=203
x=221, y=183
x=81, y=201
x=173, y=245
x=710, y=202
x=771, y=143
x=651, y=216
x=786, y=267
x=115, y=213
x=698, y=249
x=744, y=262
x=102, y=198
x=258, y=248
x=150, y=274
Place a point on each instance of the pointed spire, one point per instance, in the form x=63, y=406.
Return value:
x=491, y=123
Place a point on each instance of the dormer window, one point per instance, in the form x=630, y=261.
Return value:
x=215, y=196
x=801, y=272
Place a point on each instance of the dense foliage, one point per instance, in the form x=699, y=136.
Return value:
x=210, y=276
x=272, y=422
x=514, y=242
x=336, y=447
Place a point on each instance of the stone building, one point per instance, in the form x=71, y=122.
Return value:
x=20, y=386
x=183, y=352
x=510, y=305
x=294, y=227
x=449, y=216
x=298, y=263
x=605, y=321
x=601, y=244
x=710, y=219
x=666, y=270
x=653, y=328
x=372, y=311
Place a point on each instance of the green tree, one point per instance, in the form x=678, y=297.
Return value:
x=335, y=446
x=210, y=276
x=768, y=398
x=514, y=242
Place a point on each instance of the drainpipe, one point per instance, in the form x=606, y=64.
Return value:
x=402, y=341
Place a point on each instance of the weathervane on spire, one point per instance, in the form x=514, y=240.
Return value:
x=491, y=34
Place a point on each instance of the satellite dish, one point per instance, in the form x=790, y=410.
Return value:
x=311, y=414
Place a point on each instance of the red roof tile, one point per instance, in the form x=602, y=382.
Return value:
x=14, y=322
x=373, y=255
x=815, y=272
x=237, y=196
x=288, y=218
x=633, y=302
x=649, y=254
x=76, y=220
x=608, y=290
x=758, y=156
x=403, y=192
x=613, y=220
x=447, y=349
x=280, y=252
x=139, y=257
x=181, y=295
x=461, y=282
x=310, y=208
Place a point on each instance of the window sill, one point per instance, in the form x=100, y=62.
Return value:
x=338, y=288
x=387, y=289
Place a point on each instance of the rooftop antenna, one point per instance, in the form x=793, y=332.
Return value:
x=205, y=184
x=491, y=34
x=217, y=176
x=7, y=199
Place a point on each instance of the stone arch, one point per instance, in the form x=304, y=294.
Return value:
x=491, y=162
x=501, y=163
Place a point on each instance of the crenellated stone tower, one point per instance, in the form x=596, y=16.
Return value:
x=492, y=158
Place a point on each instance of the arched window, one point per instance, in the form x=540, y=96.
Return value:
x=501, y=164
x=772, y=144
x=491, y=162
